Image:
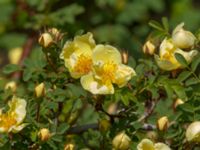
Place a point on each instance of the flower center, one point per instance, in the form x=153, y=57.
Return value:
x=6, y=121
x=83, y=64
x=107, y=73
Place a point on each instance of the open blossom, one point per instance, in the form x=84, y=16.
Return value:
x=107, y=70
x=11, y=121
x=182, y=38
x=166, y=59
x=77, y=55
x=147, y=144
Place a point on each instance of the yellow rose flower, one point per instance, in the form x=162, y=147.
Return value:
x=166, y=59
x=147, y=144
x=182, y=38
x=107, y=69
x=11, y=121
x=77, y=55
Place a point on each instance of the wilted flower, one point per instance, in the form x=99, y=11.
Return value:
x=163, y=123
x=147, y=144
x=11, y=121
x=107, y=69
x=182, y=38
x=40, y=90
x=77, y=55
x=45, y=39
x=166, y=59
x=149, y=48
x=11, y=85
x=193, y=132
x=124, y=57
x=14, y=55
x=121, y=141
x=44, y=134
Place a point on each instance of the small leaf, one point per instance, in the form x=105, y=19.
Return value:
x=192, y=81
x=62, y=128
x=165, y=23
x=156, y=25
x=181, y=59
x=195, y=63
x=10, y=68
x=183, y=76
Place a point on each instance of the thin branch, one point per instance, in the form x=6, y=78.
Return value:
x=83, y=128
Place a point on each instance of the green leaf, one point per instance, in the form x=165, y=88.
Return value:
x=192, y=81
x=181, y=59
x=165, y=23
x=62, y=128
x=10, y=68
x=183, y=76
x=195, y=63
x=27, y=74
x=180, y=91
x=156, y=25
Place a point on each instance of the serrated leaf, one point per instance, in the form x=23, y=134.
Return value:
x=181, y=59
x=192, y=81
x=10, y=68
x=180, y=91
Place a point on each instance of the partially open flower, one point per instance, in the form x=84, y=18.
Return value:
x=11, y=85
x=163, y=123
x=193, y=132
x=77, y=55
x=147, y=144
x=45, y=39
x=44, y=134
x=40, y=90
x=11, y=121
x=121, y=141
x=14, y=55
x=69, y=146
x=149, y=48
x=107, y=69
x=182, y=38
x=166, y=59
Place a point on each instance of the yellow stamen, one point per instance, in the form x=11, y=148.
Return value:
x=6, y=121
x=83, y=65
x=107, y=72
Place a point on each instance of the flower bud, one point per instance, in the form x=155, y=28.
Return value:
x=44, y=134
x=182, y=38
x=14, y=55
x=124, y=57
x=11, y=85
x=163, y=123
x=193, y=132
x=121, y=141
x=178, y=102
x=45, y=40
x=69, y=146
x=57, y=35
x=149, y=48
x=104, y=125
x=40, y=90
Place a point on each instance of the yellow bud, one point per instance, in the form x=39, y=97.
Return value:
x=124, y=57
x=44, y=134
x=11, y=85
x=121, y=141
x=163, y=123
x=14, y=55
x=178, y=102
x=193, y=132
x=45, y=40
x=69, y=146
x=149, y=48
x=104, y=125
x=40, y=90
x=182, y=38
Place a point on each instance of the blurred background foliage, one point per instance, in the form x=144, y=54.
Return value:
x=123, y=23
